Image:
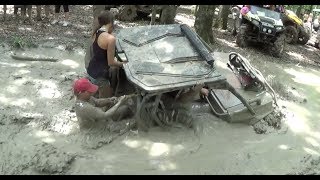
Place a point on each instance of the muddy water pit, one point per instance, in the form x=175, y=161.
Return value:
x=36, y=113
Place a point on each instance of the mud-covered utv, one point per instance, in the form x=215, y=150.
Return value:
x=296, y=31
x=261, y=25
x=166, y=63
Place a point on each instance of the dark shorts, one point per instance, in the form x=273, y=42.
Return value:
x=101, y=82
x=57, y=8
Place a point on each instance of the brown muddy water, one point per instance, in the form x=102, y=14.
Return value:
x=39, y=132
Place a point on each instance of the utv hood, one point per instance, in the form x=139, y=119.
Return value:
x=164, y=58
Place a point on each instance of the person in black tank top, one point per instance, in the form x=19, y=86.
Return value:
x=102, y=54
x=98, y=65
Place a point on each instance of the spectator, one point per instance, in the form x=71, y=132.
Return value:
x=316, y=23
x=57, y=12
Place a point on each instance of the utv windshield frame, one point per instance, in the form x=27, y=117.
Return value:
x=265, y=12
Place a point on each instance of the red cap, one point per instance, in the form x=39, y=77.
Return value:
x=82, y=85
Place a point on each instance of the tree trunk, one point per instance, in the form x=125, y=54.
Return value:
x=217, y=22
x=203, y=22
x=5, y=12
x=299, y=14
x=153, y=14
x=97, y=9
x=311, y=7
x=168, y=14
x=225, y=12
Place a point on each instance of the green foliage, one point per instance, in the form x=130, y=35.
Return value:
x=303, y=7
x=20, y=42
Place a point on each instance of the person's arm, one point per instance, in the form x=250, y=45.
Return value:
x=103, y=101
x=96, y=114
x=111, y=52
x=204, y=92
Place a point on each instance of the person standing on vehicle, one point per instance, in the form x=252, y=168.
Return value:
x=103, y=54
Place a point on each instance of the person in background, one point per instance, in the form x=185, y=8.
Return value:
x=316, y=23
x=310, y=17
x=57, y=13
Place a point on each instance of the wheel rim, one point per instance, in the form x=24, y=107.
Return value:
x=129, y=12
x=289, y=35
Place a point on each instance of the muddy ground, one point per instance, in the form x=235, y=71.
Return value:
x=39, y=133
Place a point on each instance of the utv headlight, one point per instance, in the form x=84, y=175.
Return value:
x=279, y=28
x=255, y=22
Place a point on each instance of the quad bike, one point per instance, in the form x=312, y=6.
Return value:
x=262, y=26
x=296, y=31
x=167, y=64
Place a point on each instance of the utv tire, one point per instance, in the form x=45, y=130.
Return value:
x=303, y=38
x=277, y=48
x=291, y=34
x=241, y=38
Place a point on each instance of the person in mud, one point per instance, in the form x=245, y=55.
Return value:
x=102, y=54
x=89, y=109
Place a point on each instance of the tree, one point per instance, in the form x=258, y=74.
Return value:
x=204, y=20
x=97, y=9
x=168, y=14
x=298, y=12
x=224, y=14
x=311, y=7
x=218, y=19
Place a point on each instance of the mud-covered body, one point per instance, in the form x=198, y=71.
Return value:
x=168, y=61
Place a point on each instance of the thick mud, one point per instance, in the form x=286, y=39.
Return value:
x=39, y=133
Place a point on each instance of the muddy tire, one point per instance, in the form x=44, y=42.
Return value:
x=277, y=48
x=142, y=14
x=127, y=12
x=291, y=34
x=241, y=38
x=303, y=38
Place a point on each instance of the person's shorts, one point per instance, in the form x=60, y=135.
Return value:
x=101, y=82
x=57, y=8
